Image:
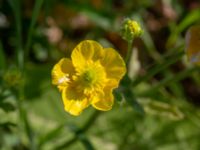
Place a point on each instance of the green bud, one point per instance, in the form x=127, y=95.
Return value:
x=12, y=78
x=130, y=29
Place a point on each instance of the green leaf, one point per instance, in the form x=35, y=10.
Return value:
x=170, y=79
x=86, y=142
x=50, y=135
x=28, y=129
x=16, y=8
x=162, y=109
x=131, y=100
x=2, y=58
x=36, y=10
x=117, y=95
x=161, y=66
x=7, y=107
x=126, y=89
x=7, y=126
x=189, y=19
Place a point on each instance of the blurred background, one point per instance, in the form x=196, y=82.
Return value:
x=162, y=110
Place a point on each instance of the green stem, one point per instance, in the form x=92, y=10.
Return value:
x=82, y=130
x=129, y=51
x=36, y=10
x=169, y=80
x=16, y=7
x=160, y=67
x=23, y=119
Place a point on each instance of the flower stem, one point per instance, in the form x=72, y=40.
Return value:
x=129, y=51
x=80, y=131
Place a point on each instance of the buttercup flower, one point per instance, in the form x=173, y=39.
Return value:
x=89, y=77
x=193, y=44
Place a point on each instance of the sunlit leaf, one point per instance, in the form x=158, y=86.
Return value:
x=162, y=109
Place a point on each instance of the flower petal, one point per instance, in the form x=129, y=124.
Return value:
x=114, y=66
x=84, y=52
x=105, y=102
x=62, y=72
x=193, y=44
x=74, y=102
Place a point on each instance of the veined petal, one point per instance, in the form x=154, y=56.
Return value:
x=74, y=102
x=114, y=66
x=104, y=101
x=85, y=52
x=61, y=73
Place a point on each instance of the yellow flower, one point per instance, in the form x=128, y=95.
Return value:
x=89, y=77
x=193, y=44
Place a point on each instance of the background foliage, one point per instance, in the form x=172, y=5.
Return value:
x=157, y=104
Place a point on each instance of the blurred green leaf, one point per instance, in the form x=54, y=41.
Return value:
x=160, y=66
x=86, y=142
x=126, y=89
x=148, y=41
x=2, y=58
x=36, y=10
x=16, y=8
x=131, y=100
x=172, y=78
x=28, y=129
x=50, y=135
x=189, y=19
x=162, y=109
x=6, y=126
x=98, y=19
x=6, y=106
x=117, y=95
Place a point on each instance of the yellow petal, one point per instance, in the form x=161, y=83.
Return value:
x=85, y=52
x=105, y=102
x=74, y=102
x=114, y=66
x=193, y=44
x=62, y=72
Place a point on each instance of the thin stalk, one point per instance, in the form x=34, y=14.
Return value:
x=170, y=79
x=23, y=119
x=129, y=51
x=159, y=67
x=16, y=7
x=82, y=130
x=36, y=10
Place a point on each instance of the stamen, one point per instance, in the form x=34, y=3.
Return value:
x=64, y=79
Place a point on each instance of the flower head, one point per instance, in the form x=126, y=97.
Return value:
x=89, y=77
x=130, y=29
x=193, y=44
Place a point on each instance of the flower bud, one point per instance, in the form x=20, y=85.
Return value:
x=130, y=29
x=12, y=78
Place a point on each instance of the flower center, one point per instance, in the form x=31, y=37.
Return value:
x=89, y=77
x=91, y=80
